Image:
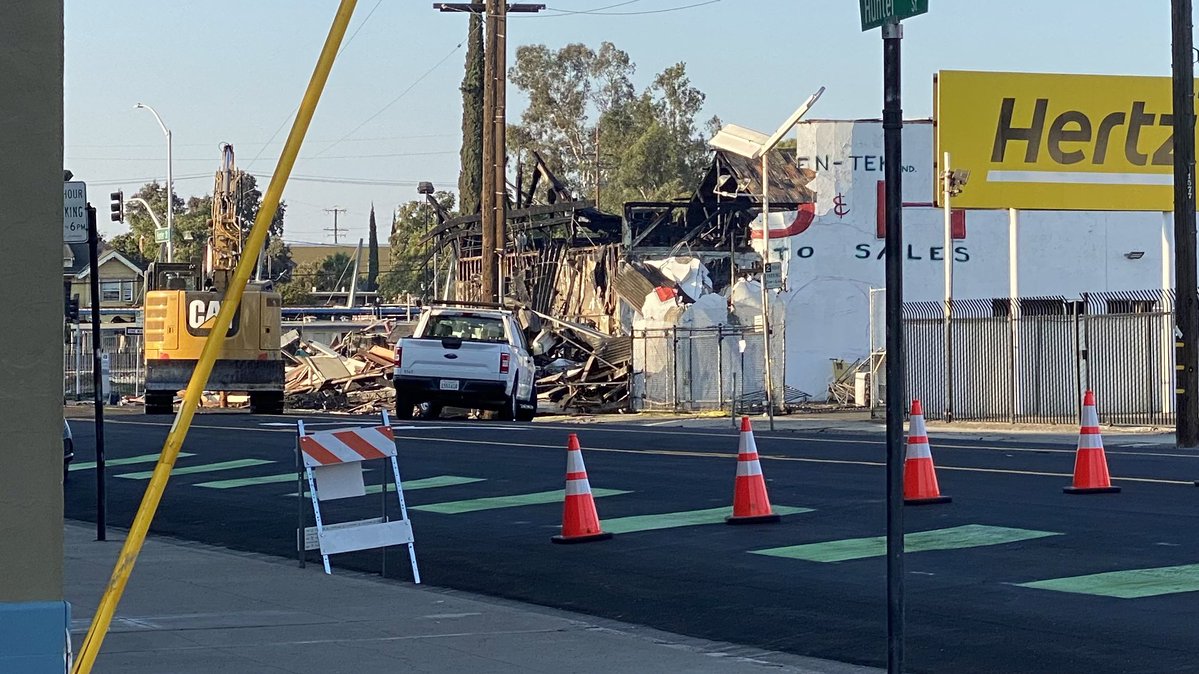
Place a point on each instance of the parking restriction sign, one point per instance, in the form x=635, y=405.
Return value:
x=74, y=212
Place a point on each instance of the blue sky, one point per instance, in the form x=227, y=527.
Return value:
x=234, y=71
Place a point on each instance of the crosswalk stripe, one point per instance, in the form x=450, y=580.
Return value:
x=248, y=481
x=1129, y=584
x=966, y=536
x=688, y=518
x=124, y=461
x=413, y=485
x=513, y=501
x=205, y=468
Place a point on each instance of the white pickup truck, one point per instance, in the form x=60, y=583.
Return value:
x=465, y=357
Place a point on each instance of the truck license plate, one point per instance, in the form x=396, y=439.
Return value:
x=449, y=384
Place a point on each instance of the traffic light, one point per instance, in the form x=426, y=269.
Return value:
x=73, y=309
x=118, y=206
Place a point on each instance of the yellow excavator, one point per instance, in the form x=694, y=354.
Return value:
x=182, y=300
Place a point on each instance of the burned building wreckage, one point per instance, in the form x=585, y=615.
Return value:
x=656, y=308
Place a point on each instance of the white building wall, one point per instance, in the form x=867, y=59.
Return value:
x=831, y=267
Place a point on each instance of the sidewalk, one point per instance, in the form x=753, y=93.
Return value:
x=195, y=608
x=859, y=422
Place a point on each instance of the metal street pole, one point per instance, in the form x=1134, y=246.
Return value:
x=947, y=189
x=765, y=294
x=170, y=184
x=896, y=394
x=93, y=250
x=1186, y=330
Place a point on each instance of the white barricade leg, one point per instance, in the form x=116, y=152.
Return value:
x=395, y=471
x=316, y=509
x=301, y=550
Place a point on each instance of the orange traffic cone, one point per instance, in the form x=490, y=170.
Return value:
x=1090, y=463
x=580, y=521
x=919, y=474
x=751, y=505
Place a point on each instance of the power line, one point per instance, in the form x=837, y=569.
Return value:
x=334, y=180
x=344, y=47
x=599, y=12
x=397, y=98
x=209, y=159
x=352, y=140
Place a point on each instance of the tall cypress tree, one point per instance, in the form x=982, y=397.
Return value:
x=470, y=179
x=372, y=263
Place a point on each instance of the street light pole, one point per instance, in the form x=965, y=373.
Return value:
x=170, y=183
x=425, y=189
x=769, y=379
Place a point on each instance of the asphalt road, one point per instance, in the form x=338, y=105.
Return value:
x=970, y=608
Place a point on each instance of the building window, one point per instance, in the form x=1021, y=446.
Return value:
x=110, y=291
x=117, y=291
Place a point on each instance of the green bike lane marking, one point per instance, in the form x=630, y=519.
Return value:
x=409, y=485
x=1130, y=584
x=126, y=461
x=205, y=468
x=686, y=518
x=953, y=538
x=514, y=501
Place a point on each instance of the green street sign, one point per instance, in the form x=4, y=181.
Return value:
x=877, y=12
x=161, y=235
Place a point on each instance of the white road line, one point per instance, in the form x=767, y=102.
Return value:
x=577, y=428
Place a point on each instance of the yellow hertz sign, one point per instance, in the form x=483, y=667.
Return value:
x=1057, y=142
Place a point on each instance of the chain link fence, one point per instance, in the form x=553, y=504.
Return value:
x=125, y=348
x=706, y=369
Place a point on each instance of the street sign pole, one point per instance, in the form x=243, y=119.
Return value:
x=1187, y=306
x=93, y=249
x=896, y=400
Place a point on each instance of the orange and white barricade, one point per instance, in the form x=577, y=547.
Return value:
x=332, y=463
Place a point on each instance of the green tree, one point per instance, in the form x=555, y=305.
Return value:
x=568, y=90
x=141, y=225
x=470, y=179
x=592, y=128
x=372, y=263
x=129, y=245
x=193, y=229
x=335, y=272
x=192, y=226
x=297, y=290
x=249, y=202
x=412, y=267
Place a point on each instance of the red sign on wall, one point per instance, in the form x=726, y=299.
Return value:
x=957, y=217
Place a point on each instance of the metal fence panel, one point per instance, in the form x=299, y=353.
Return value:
x=126, y=356
x=982, y=368
x=699, y=369
x=1030, y=360
x=1048, y=390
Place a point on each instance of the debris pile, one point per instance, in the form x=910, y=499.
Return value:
x=581, y=369
x=353, y=374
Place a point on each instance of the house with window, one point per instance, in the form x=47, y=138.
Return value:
x=121, y=282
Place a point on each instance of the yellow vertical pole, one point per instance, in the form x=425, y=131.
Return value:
x=212, y=346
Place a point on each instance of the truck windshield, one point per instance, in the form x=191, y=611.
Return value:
x=466, y=327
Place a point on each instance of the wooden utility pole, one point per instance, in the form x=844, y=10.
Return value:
x=1186, y=326
x=500, y=136
x=487, y=200
x=494, y=198
x=336, y=232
